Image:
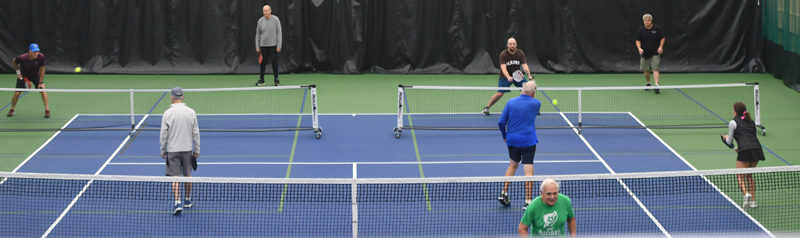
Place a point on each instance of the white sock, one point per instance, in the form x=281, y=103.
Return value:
x=177, y=202
x=528, y=201
x=187, y=199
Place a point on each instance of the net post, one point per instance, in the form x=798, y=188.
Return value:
x=133, y=112
x=757, y=104
x=400, y=99
x=580, y=111
x=314, y=113
x=354, y=198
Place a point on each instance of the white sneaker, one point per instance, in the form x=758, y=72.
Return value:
x=753, y=204
x=746, y=200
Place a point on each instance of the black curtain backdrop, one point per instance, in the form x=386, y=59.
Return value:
x=397, y=36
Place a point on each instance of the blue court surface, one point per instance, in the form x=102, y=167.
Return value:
x=362, y=146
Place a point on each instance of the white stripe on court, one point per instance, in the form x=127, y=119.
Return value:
x=704, y=177
x=362, y=163
x=635, y=198
x=45, y=144
x=85, y=187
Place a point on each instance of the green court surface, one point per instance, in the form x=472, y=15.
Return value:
x=377, y=93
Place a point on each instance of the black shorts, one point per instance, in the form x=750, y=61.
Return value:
x=750, y=155
x=34, y=82
x=524, y=154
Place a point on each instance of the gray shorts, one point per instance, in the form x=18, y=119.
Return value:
x=650, y=64
x=179, y=163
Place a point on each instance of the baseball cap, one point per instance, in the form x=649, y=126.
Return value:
x=177, y=92
x=34, y=47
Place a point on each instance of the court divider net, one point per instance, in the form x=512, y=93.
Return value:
x=282, y=108
x=706, y=203
x=677, y=106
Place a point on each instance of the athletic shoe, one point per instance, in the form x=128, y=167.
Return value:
x=47, y=114
x=646, y=89
x=525, y=207
x=753, y=204
x=746, y=200
x=277, y=82
x=503, y=199
x=486, y=111
x=260, y=83
x=187, y=203
x=11, y=113
x=178, y=209
x=657, y=91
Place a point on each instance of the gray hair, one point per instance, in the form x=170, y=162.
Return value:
x=529, y=87
x=647, y=16
x=548, y=182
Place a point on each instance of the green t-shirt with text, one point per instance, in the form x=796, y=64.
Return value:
x=546, y=220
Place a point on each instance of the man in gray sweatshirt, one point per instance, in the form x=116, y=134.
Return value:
x=268, y=43
x=179, y=135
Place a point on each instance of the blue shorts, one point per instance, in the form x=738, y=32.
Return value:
x=504, y=83
x=524, y=154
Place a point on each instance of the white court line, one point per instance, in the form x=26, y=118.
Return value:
x=363, y=163
x=41, y=147
x=635, y=198
x=704, y=177
x=45, y=143
x=85, y=187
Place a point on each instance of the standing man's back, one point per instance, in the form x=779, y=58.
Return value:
x=518, y=126
x=180, y=134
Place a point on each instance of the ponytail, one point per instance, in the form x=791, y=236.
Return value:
x=741, y=111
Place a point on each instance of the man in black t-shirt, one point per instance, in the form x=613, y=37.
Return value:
x=511, y=59
x=30, y=67
x=650, y=44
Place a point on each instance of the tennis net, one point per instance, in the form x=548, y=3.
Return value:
x=707, y=203
x=683, y=106
x=218, y=109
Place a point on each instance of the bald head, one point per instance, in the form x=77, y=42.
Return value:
x=511, y=44
x=267, y=10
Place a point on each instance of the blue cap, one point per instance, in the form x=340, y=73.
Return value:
x=34, y=47
x=177, y=92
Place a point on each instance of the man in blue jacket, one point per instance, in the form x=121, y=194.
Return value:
x=518, y=126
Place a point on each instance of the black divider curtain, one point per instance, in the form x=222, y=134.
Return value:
x=383, y=36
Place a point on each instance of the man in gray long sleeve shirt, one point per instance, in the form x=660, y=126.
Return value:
x=268, y=43
x=179, y=135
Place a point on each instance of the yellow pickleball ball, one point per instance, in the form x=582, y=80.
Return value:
x=77, y=69
x=555, y=101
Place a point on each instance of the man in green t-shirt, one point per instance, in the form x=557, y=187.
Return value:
x=548, y=213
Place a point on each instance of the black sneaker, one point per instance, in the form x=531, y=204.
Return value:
x=260, y=83
x=277, y=82
x=486, y=111
x=503, y=199
x=647, y=89
x=657, y=91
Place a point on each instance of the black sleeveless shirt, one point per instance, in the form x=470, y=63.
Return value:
x=745, y=134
